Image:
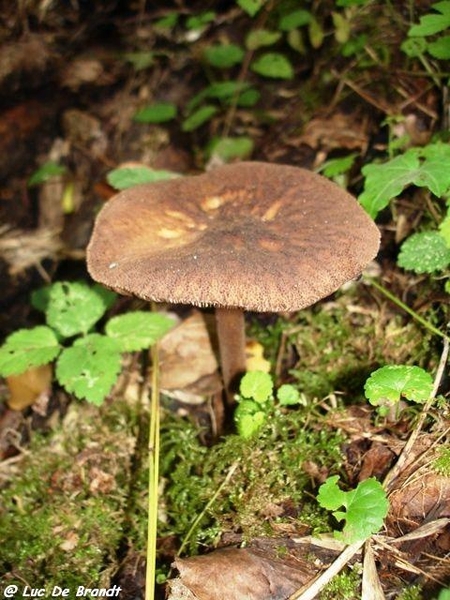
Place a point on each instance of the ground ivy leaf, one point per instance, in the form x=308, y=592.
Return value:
x=386, y=181
x=28, y=348
x=74, y=307
x=365, y=507
x=423, y=167
x=433, y=23
x=138, y=330
x=424, y=252
x=394, y=382
x=288, y=395
x=90, y=367
x=256, y=385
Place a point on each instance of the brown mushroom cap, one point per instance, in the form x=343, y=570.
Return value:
x=251, y=235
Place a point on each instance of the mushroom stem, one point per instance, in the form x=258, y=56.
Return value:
x=231, y=339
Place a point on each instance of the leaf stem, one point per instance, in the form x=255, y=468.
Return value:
x=407, y=309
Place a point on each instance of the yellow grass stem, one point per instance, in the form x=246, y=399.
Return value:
x=153, y=478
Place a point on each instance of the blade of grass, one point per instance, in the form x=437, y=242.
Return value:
x=153, y=478
x=407, y=309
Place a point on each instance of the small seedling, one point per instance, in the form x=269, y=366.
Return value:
x=422, y=167
x=392, y=383
x=433, y=23
x=365, y=508
x=256, y=400
x=89, y=364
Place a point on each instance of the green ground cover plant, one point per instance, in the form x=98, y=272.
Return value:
x=87, y=363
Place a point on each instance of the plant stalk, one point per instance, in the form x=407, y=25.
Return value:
x=153, y=478
x=407, y=309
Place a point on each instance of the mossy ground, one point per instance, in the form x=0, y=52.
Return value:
x=77, y=497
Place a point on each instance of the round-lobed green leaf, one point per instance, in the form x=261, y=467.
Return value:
x=424, y=252
x=389, y=384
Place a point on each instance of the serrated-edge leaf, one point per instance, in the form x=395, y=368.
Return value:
x=73, y=307
x=90, y=367
x=440, y=48
x=430, y=24
x=138, y=330
x=28, y=348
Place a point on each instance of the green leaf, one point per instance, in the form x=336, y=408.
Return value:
x=138, y=330
x=90, y=367
x=248, y=424
x=249, y=98
x=74, y=307
x=433, y=23
x=424, y=252
x=224, y=56
x=414, y=47
x=251, y=7
x=257, y=38
x=166, y=22
x=126, y=177
x=198, y=118
x=337, y=166
x=365, y=507
x=140, y=60
x=390, y=384
x=440, y=48
x=273, y=65
x=423, y=167
x=295, y=19
x=316, y=33
x=160, y=112
x=444, y=228
x=288, y=395
x=196, y=22
x=45, y=172
x=28, y=348
x=256, y=385
x=230, y=148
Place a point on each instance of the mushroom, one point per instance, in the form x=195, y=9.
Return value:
x=247, y=236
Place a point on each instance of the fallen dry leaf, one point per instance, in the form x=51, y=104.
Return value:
x=25, y=389
x=187, y=360
x=238, y=574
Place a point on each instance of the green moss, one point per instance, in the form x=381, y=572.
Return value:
x=442, y=463
x=62, y=513
x=413, y=592
x=269, y=485
x=345, y=586
x=338, y=345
